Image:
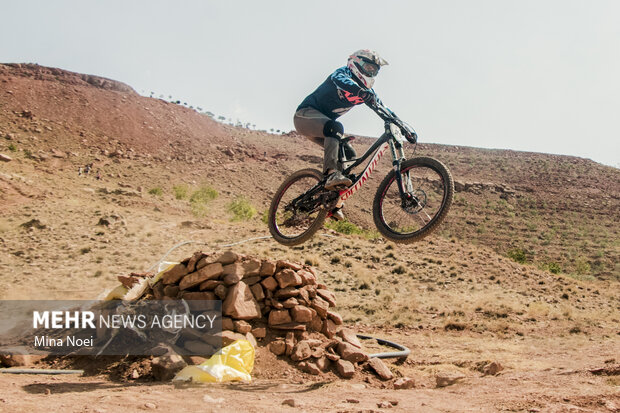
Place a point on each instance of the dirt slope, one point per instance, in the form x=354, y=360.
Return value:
x=457, y=299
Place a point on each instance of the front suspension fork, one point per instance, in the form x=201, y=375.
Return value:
x=405, y=187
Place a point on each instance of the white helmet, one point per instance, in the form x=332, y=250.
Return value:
x=365, y=65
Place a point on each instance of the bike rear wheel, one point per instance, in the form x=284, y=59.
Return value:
x=294, y=219
x=429, y=191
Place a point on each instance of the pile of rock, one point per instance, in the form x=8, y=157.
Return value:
x=279, y=303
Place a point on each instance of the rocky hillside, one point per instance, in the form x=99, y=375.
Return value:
x=558, y=213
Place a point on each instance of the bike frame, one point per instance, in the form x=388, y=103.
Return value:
x=387, y=140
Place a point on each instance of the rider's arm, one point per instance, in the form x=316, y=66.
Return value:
x=343, y=81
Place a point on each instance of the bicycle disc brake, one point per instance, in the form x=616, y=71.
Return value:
x=414, y=202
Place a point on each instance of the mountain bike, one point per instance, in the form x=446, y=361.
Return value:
x=410, y=203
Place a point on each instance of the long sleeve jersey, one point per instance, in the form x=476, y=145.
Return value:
x=336, y=95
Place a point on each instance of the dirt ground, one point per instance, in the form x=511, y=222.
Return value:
x=540, y=375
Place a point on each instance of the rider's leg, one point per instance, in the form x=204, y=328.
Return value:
x=320, y=129
x=333, y=132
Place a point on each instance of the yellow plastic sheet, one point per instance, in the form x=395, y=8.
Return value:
x=234, y=363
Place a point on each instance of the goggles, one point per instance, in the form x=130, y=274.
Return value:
x=368, y=68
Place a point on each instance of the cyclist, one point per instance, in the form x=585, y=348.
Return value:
x=316, y=116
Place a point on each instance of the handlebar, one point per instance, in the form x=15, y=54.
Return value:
x=390, y=117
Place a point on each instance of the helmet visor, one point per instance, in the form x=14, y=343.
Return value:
x=369, y=68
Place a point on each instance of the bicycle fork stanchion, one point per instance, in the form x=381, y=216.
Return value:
x=397, y=160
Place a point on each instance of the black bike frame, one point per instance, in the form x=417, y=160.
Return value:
x=385, y=141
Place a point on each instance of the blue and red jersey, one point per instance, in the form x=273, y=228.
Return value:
x=336, y=95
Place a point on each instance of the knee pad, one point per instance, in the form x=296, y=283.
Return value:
x=333, y=129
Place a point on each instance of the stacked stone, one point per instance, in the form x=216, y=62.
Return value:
x=280, y=300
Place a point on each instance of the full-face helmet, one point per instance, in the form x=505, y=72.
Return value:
x=365, y=65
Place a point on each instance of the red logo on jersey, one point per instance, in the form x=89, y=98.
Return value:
x=356, y=100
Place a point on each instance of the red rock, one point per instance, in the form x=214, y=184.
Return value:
x=287, y=264
x=404, y=383
x=242, y=326
x=447, y=379
x=198, y=295
x=270, y=283
x=203, y=262
x=289, y=402
x=301, y=351
x=221, y=291
x=227, y=257
x=323, y=363
x=290, y=326
x=128, y=281
x=196, y=360
x=309, y=367
x=259, y=332
x=351, y=353
x=327, y=296
x=277, y=347
x=240, y=303
x=345, y=368
x=191, y=264
x=252, y=280
x=311, y=290
x=227, y=323
x=232, y=273
x=301, y=314
x=307, y=278
x=209, y=272
x=350, y=337
x=318, y=352
x=229, y=337
x=290, y=343
x=492, y=368
x=290, y=302
x=252, y=267
x=268, y=268
x=380, y=368
x=329, y=329
x=158, y=291
x=316, y=324
x=257, y=290
x=304, y=297
x=287, y=292
x=279, y=317
x=335, y=317
x=288, y=278
x=173, y=275
x=209, y=285
x=332, y=356
x=321, y=306
x=171, y=291
x=231, y=279
x=165, y=367
x=198, y=347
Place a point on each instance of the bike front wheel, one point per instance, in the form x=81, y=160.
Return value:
x=429, y=189
x=295, y=214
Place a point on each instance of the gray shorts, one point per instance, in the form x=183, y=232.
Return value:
x=310, y=123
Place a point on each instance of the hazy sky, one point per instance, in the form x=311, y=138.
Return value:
x=534, y=75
